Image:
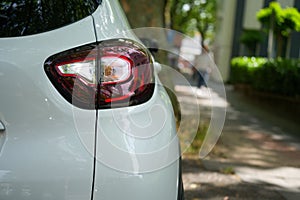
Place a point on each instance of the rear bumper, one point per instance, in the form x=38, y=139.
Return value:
x=160, y=185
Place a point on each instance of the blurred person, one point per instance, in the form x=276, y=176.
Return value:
x=203, y=66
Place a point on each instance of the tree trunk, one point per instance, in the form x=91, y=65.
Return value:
x=279, y=45
x=151, y=13
x=202, y=40
x=271, y=37
x=288, y=47
x=145, y=13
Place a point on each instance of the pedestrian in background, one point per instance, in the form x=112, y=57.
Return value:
x=204, y=66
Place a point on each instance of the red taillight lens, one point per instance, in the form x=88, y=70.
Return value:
x=113, y=73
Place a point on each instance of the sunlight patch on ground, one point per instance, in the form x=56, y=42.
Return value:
x=194, y=180
x=284, y=177
x=205, y=96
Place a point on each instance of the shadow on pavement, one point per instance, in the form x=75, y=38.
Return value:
x=261, y=157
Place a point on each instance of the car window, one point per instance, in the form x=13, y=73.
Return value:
x=27, y=17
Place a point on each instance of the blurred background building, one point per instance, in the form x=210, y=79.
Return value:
x=236, y=18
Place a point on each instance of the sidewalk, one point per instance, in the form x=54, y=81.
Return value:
x=255, y=158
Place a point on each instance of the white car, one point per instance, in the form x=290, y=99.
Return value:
x=82, y=113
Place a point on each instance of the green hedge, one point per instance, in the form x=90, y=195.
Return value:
x=279, y=76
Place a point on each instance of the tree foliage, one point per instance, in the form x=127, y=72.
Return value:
x=280, y=22
x=190, y=16
x=250, y=38
x=285, y=20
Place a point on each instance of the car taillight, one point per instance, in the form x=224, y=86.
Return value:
x=113, y=73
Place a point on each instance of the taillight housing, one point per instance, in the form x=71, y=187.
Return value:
x=112, y=73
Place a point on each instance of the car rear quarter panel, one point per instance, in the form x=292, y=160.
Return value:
x=137, y=148
x=42, y=156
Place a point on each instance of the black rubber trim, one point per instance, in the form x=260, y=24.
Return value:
x=180, y=195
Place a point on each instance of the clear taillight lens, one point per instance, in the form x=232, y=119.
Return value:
x=113, y=73
x=115, y=69
x=85, y=69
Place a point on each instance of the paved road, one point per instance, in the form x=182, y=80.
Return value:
x=255, y=158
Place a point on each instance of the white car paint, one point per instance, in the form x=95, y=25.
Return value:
x=47, y=147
